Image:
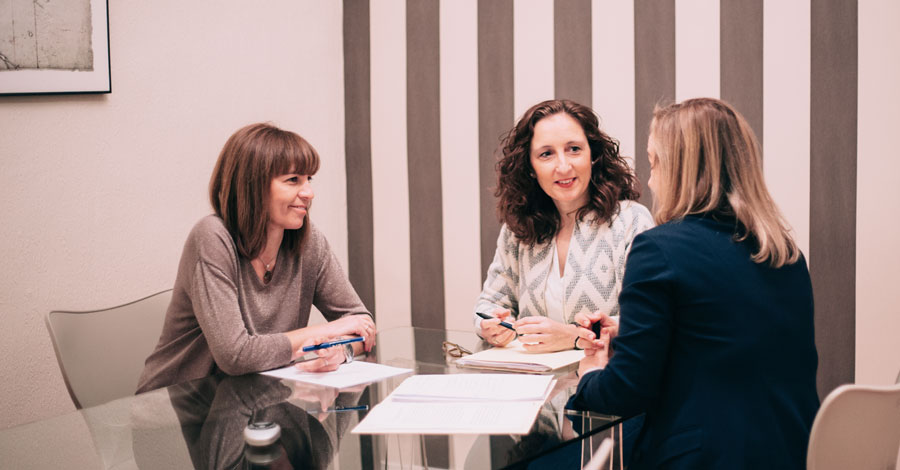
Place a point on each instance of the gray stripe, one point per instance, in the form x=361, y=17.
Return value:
x=572, y=50
x=654, y=74
x=423, y=111
x=832, y=186
x=495, y=109
x=357, y=145
x=741, y=32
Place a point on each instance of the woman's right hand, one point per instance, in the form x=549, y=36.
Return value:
x=609, y=327
x=329, y=358
x=495, y=334
x=359, y=325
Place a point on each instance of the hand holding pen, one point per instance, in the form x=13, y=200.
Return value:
x=322, y=354
x=495, y=329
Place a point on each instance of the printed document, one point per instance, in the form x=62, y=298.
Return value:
x=514, y=357
x=460, y=404
x=348, y=375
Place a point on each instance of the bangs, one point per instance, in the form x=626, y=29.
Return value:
x=293, y=154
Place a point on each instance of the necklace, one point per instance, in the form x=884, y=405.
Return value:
x=267, y=276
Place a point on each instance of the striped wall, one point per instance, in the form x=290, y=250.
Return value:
x=432, y=85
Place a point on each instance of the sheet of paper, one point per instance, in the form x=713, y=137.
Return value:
x=391, y=417
x=514, y=357
x=348, y=375
x=473, y=387
x=446, y=404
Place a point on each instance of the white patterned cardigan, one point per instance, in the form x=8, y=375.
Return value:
x=517, y=278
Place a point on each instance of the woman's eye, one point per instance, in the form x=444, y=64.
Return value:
x=293, y=179
x=544, y=154
x=575, y=149
x=309, y=179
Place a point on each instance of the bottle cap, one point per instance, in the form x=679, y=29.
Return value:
x=262, y=433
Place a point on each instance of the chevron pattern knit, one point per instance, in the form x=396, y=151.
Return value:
x=517, y=278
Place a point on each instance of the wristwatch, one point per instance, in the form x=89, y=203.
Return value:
x=348, y=353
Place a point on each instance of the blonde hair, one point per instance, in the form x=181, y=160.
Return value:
x=708, y=161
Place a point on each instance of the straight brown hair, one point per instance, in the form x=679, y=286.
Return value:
x=708, y=161
x=240, y=182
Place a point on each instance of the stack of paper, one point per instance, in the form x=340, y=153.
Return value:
x=460, y=404
x=514, y=357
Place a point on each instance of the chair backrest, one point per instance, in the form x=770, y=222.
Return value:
x=601, y=456
x=857, y=426
x=101, y=353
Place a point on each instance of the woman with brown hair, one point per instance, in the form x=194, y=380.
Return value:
x=716, y=341
x=250, y=272
x=567, y=201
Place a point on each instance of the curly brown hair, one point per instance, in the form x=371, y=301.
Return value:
x=525, y=208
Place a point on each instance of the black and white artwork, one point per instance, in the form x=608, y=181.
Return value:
x=54, y=46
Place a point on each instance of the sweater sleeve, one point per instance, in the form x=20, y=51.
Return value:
x=501, y=286
x=630, y=383
x=214, y=297
x=334, y=296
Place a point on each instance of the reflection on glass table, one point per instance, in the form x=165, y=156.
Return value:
x=200, y=424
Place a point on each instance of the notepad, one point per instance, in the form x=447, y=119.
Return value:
x=473, y=387
x=514, y=357
x=460, y=404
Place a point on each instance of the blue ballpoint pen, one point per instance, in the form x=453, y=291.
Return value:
x=329, y=344
x=488, y=317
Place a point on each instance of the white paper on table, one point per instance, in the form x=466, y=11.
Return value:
x=474, y=387
x=432, y=415
x=391, y=417
x=348, y=375
x=514, y=357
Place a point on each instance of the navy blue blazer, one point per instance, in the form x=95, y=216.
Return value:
x=717, y=350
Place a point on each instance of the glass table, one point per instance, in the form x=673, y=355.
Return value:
x=200, y=424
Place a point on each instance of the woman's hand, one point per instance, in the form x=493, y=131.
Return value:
x=329, y=358
x=495, y=334
x=355, y=325
x=595, y=357
x=541, y=334
x=608, y=325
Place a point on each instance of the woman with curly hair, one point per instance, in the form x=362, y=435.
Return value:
x=567, y=202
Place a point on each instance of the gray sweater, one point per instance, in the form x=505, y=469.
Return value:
x=223, y=317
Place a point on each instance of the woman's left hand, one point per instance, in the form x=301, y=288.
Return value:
x=329, y=358
x=359, y=325
x=541, y=334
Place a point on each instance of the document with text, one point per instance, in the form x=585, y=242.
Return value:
x=460, y=404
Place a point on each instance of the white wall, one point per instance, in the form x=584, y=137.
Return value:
x=97, y=193
x=878, y=195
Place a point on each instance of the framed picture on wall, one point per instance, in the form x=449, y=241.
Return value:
x=54, y=46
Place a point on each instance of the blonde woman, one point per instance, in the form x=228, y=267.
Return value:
x=716, y=339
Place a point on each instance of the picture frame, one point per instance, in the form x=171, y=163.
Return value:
x=63, y=47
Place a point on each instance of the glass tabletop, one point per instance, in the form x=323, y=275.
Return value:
x=200, y=424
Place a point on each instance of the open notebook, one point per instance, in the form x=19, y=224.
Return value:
x=514, y=357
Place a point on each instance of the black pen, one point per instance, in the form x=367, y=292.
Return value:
x=488, y=317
